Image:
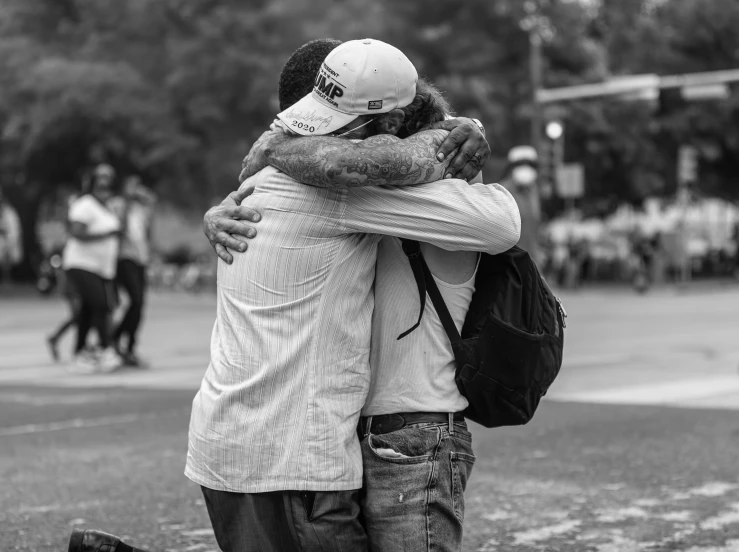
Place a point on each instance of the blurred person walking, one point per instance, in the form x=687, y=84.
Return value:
x=136, y=205
x=11, y=247
x=89, y=260
x=520, y=179
x=67, y=291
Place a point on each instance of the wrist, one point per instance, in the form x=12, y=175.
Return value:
x=479, y=125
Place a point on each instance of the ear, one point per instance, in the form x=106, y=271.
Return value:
x=390, y=123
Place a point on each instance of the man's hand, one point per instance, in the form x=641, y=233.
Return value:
x=466, y=137
x=223, y=223
x=256, y=159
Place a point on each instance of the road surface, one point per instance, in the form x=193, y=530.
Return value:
x=635, y=448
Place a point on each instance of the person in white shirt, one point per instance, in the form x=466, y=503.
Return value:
x=89, y=260
x=11, y=248
x=273, y=431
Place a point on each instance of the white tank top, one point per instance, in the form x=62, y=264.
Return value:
x=416, y=373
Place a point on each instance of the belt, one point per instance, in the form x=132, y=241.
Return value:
x=393, y=422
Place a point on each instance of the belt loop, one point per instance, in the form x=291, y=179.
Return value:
x=451, y=423
x=368, y=427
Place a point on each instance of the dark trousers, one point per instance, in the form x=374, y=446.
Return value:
x=96, y=303
x=286, y=521
x=131, y=276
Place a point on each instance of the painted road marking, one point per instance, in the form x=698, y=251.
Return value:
x=721, y=520
x=545, y=533
x=82, y=423
x=708, y=513
x=705, y=391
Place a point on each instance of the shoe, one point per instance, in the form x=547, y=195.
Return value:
x=108, y=361
x=132, y=360
x=89, y=540
x=84, y=362
x=52, y=344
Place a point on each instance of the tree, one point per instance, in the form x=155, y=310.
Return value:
x=178, y=89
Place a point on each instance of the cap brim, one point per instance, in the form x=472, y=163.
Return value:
x=310, y=117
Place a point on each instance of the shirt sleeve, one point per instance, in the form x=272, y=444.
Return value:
x=117, y=205
x=81, y=210
x=449, y=214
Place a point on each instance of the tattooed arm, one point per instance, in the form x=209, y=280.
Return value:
x=329, y=162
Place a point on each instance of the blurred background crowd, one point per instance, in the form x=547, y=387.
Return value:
x=637, y=181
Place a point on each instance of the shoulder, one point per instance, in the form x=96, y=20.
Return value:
x=85, y=200
x=118, y=205
x=451, y=267
x=83, y=204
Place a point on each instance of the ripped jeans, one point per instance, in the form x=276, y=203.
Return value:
x=414, y=482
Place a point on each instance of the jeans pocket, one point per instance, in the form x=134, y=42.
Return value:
x=405, y=446
x=462, y=464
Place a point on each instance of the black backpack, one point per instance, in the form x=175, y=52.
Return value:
x=512, y=339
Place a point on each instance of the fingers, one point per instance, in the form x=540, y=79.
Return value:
x=474, y=165
x=456, y=137
x=223, y=213
x=241, y=212
x=227, y=240
x=472, y=155
x=468, y=146
x=240, y=195
x=237, y=228
x=224, y=227
x=223, y=254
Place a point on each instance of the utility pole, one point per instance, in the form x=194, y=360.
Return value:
x=534, y=24
x=535, y=70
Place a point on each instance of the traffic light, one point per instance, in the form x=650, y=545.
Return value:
x=687, y=165
x=551, y=156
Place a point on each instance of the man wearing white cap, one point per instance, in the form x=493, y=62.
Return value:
x=273, y=436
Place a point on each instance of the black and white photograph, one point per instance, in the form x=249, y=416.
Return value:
x=369, y=276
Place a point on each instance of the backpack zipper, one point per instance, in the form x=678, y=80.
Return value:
x=562, y=312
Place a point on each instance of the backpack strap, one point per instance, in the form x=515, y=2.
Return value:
x=441, y=309
x=412, y=250
x=426, y=283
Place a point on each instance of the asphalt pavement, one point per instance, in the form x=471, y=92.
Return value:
x=636, y=447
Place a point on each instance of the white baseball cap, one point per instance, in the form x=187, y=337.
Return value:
x=360, y=77
x=523, y=161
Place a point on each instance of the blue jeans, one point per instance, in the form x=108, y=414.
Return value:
x=414, y=482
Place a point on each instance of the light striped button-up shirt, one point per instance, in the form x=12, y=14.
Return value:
x=289, y=371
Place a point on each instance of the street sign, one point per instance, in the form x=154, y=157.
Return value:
x=687, y=165
x=717, y=91
x=628, y=85
x=571, y=180
x=643, y=95
x=614, y=86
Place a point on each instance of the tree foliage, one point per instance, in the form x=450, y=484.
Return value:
x=178, y=89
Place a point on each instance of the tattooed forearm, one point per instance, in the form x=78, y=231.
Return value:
x=381, y=160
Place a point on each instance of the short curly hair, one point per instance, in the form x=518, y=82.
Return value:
x=299, y=73
x=428, y=106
